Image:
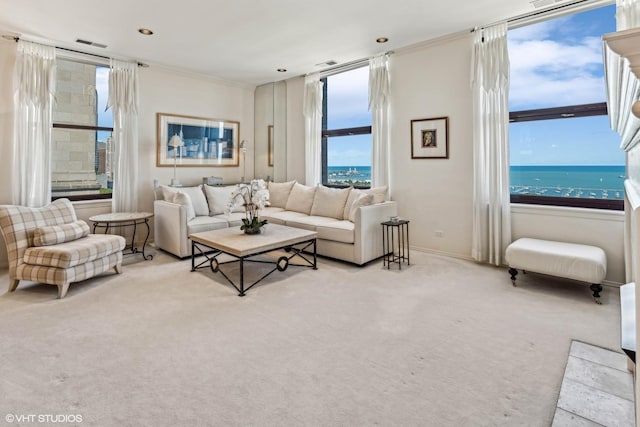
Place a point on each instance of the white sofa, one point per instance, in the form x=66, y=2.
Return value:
x=347, y=220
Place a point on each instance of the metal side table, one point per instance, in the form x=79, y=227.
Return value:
x=395, y=235
x=125, y=219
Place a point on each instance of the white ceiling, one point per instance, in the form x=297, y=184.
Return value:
x=247, y=40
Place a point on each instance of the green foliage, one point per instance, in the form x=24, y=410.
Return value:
x=253, y=224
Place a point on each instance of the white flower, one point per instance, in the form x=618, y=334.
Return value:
x=254, y=193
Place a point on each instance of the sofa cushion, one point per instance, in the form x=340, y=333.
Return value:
x=234, y=219
x=268, y=210
x=330, y=202
x=79, y=251
x=56, y=234
x=360, y=199
x=196, y=194
x=183, y=199
x=301, y=198
x=206, y=223
x=309, y=222
x=281, y=217
x=339, y=231
x=218, y=198
x=279, y=193
x=379, y=194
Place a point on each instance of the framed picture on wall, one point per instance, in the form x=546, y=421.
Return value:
x=430, y=138
x=201, y=142
x=270, y=144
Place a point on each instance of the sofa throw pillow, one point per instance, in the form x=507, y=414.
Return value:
x=330, y=202
x=56, y=234
x=218, y=199
x=279, y=193
x=183, y=199
x=362, y=199
x=379, y=194
x=301, y=198
x=353, y=195
x=196, y=194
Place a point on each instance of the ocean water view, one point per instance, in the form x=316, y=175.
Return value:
x=590, y=182
x=349, y=175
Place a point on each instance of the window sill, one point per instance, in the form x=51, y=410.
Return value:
x=567, y=212
x=570, y=202
x=84, y=197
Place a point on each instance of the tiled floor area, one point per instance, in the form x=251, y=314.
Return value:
x=597, y=389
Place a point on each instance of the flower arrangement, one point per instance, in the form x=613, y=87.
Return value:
x=254, y=197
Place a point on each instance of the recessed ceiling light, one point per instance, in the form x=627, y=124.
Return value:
x=145, y=31
x=281, y=70
x=382, y=40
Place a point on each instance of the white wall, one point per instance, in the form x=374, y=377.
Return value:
x=161, y=90
x=174, y=92
x=434, y=194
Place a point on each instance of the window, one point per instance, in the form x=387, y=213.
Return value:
x=346, y=129
x=81, y=137
x=562, y=149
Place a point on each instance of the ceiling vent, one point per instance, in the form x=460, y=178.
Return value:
x=544, y=3
x=89, y=43
x=329, y=63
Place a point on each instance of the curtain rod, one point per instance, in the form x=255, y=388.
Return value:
x=541, y=12
x=16, y=39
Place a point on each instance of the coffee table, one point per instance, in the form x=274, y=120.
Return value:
x=232, y=241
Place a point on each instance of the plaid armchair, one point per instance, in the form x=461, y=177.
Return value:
x=50, y=245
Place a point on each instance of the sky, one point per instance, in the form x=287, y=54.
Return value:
x=347, y=105
x=559, y=63
x=105, y=118
x=554, y=63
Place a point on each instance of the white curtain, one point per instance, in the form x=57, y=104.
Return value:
x=627, y=14
x=490, y=84
x=379, y=85
x=123, y=101
x=623, y=88
x=312, y=110
x=35, y=78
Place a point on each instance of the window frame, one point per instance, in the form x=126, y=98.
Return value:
x=327, y=133
x=58, y=125
x=561, y=113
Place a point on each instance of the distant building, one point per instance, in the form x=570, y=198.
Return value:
x=74, y=151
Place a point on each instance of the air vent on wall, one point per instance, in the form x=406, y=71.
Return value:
x=89, y=43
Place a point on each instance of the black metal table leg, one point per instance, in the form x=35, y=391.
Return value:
x=241, y=276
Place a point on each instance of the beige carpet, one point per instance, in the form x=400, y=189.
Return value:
x=444, y=342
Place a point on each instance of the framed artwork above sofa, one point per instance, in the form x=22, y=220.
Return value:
x=202, y=141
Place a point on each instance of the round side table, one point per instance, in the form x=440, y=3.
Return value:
x=125, y=219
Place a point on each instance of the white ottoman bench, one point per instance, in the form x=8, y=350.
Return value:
x=567, y=260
